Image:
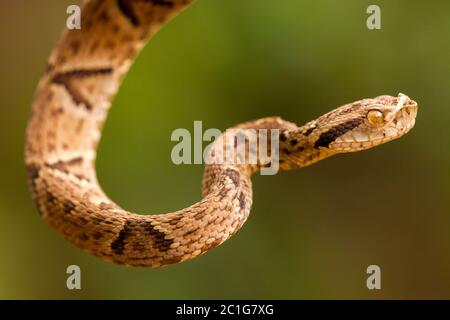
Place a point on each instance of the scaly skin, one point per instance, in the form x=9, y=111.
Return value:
x=71, y=103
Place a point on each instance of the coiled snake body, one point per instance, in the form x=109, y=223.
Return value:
x=71, y=103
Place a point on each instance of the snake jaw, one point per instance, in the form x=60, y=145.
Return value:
x=399, y=118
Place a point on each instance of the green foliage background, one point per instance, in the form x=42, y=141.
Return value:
x=312, y=232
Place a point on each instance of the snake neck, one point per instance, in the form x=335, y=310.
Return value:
x=298, y=148
x=269, y=143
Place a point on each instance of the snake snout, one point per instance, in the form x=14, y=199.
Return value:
x=411, y=103
x=410, y=106
x=405, y=110
x=404, y=119
x=409, y=109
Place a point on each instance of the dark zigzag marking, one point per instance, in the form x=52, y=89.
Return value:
x=118, y=245
x=242, y=201
x=234, y=176
x=64, y=166
x=160, y=242
x=329, y=136
x=64, y=78
x=127, y=10
x=309, y=131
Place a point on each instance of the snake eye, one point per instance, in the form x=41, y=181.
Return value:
x=375, y=117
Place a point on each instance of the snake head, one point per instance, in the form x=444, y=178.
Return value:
x=367, y=123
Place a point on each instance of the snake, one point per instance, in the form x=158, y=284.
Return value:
x=71, y=103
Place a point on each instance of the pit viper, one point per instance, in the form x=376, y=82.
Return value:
x=71, y=103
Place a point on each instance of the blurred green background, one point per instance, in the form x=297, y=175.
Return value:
x=312, y=232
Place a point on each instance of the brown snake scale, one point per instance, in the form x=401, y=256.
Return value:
x=71, y=103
